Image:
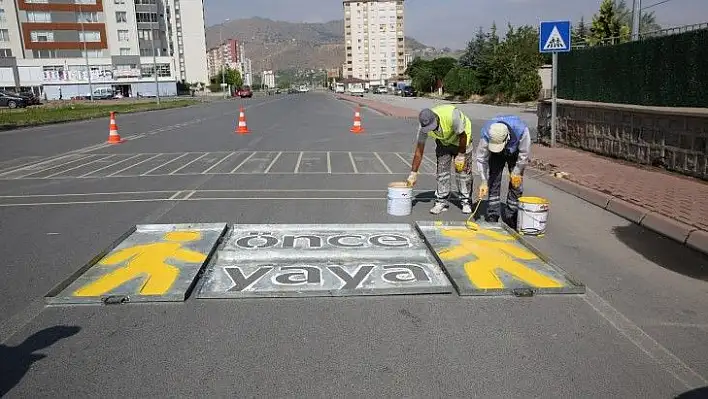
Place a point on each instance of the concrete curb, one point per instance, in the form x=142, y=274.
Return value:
x=687, y=235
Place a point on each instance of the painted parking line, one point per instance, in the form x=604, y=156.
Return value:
x=151, y=263
x=219, y=163
x=258, y=163
x=490, y=260
x=322, y=260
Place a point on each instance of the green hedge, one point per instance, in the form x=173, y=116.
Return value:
x=669, y=71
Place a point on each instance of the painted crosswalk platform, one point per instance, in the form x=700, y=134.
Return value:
x=151, y=263
x=492, y=260
x=95, y=165
x=323, y=260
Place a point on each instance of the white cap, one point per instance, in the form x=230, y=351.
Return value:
x=498, y=137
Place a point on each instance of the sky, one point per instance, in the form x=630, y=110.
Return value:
x=452, y=23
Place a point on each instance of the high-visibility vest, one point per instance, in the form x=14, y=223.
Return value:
x=445, y=132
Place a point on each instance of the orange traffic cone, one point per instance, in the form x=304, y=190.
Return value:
x=113, y=136
x=242, y=127
x=356, y=128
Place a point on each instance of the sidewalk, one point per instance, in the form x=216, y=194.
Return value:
x=670, y=204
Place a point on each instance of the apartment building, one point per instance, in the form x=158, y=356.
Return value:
x=374, y=39
x=225, y=54
x=66, y=48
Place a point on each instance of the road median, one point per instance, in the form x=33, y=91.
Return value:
x=49, y=114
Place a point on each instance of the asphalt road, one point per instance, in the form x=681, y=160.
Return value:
x=641, y=329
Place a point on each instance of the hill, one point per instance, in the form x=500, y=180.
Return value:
x=283, y=45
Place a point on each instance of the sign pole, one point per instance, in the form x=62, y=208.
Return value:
x=554, y=98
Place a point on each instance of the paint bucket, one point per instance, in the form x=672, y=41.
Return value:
x=533, y=216
x=400, y=199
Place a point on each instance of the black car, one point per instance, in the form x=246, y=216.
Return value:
x=11, y=100
x=30, y=98
x=409, y=91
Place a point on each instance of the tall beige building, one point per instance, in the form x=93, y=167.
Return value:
x=374, y=39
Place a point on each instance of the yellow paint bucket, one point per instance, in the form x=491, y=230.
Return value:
x=533, y=216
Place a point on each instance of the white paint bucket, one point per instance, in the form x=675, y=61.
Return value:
x=400, y=199
x=532, y=216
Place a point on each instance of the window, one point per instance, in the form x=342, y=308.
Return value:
x=5, y=52
x=39, y=16
x=119, y=1
x=125, y=51
x=123, y=36
x=37, y=1
x=146, y=17
x=147, y=2
x=145, y=34
x=2, y=15
x=92, y=54
x=42, y=36
x=4, y=35
x=87, y=17
x=84, y=1
x=121, y=16
x=90, y=36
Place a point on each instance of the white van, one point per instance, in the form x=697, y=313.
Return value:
x=356, y=89
x=339, y=88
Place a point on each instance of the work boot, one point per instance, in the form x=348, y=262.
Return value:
x=466, y=208
x=438, y=208
x=491, y=219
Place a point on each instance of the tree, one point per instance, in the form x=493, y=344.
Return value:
x=230, y=76
x=647, y=21
x=606, y=25
x=579, y=34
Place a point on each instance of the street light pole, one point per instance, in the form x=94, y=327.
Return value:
x=221, y=52
x=636, y=18
x=154, y=63
x=88, y=67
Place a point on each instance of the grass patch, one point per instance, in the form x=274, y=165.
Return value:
x=42, y=115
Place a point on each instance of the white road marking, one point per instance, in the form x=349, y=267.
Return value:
x=189, y=163
x=197, y=199
x=273, y=162
x=110, y=166
x=664, y=357
x=218, y=163
x=405, y=161
x=191, y=193
x=56, y=166
x=329, y=162
x=351, y=158
x=133, y=165
x=175, y=195
x=79, y=166
x=164, y=164
x=297, y=165
x=383, y=163
x=243, y=162
x=90, y=194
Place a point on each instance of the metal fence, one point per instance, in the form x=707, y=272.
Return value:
x=611, y=41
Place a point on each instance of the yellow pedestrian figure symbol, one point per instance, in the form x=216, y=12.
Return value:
x=149, y=262
x=495, y=253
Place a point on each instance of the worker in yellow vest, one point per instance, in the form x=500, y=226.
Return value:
x=452, y=131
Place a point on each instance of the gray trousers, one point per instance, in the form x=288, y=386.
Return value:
x=445, y=159
x=497, y=162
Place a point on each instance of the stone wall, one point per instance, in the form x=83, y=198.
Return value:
x=674, y=138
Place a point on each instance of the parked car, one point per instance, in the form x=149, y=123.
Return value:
x=245, y=92
x=382, y=90
x=29, y=97
x=409, y=91
x=11, y=100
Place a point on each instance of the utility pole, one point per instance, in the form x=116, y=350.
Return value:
x=636, y=18
x=88, y=67
x=154, y=62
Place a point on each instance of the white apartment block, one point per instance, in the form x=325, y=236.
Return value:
x=226, y=54
x=374, y=39
x=45, y=46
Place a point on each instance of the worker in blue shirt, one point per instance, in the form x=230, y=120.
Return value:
x=505, y=142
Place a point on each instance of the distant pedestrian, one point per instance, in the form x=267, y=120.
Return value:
x=505, y=142
x=452, y=131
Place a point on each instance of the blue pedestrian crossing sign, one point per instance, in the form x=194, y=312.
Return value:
x=554, y=37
